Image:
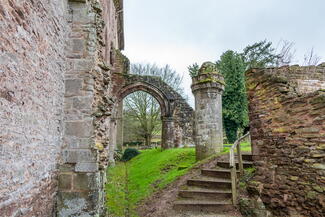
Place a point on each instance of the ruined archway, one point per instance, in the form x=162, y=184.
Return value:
x=139, y=121
x=176, y=114
x=165, y=105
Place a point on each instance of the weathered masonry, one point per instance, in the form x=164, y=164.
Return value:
x=93, y=40
x=287, y=116
x=176, y=114
x=62, y=78
x=207, y=88
x=56, y=60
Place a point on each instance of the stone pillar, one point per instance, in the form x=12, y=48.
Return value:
x=167, y=133
x=81, y=182
x=119, y=130
x=207, y=88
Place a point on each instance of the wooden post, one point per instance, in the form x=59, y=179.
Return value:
x=240, y=160
x=233, y=174
x=234, y=185
x=233, y=168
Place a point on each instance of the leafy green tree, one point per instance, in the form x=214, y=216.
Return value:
x=233, y=66
x=234, y=101
x=193, y=69
x=260, y=55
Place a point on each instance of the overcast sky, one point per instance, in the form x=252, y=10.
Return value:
x=181, y=32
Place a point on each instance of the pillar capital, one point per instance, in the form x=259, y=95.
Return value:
x=208, y=79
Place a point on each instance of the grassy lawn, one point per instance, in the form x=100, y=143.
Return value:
x=245, y=146
x=131, y=182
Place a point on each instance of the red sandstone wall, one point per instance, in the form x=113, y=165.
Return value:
x=32, y=65
x=288, y=134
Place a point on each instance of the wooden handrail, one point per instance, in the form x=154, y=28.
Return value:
x=232, y=164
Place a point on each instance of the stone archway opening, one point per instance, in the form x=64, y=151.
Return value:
x=165, y=108
x=139, y=120
x=176, y=114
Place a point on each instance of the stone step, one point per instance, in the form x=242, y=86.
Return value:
x=246, y=157
x=203, y=205
x=225, y=164
x=218, y=173
x=211, y=183
x=204, y=193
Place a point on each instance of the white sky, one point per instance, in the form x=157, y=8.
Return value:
x=181, y=32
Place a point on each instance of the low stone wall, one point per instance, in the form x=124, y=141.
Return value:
x=287, y=120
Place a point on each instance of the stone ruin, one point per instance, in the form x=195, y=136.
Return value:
x=176, y=114
x=56, y=61
x=60, y=87
x=287, y=120
x=61, y=75
x=207, y=87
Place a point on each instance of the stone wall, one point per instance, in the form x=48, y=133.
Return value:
x=56, y=59
x=287, y=120
x=183, y=117
x=32, y=61
x=88, y=107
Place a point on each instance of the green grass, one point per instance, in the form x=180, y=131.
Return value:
x=245, y=146
x=151, y=170
x=131, y=182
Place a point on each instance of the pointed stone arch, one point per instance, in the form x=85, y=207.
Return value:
x=176, y=128
x=165, y=105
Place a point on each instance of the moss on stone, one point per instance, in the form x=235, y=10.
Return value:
x=103, y=66
x=294, y=178
x=278, y=79
x=251, y=85
x=99, y=146
x=311, y=195
x=321, y=147
x=117, y=5
x=309, y=160
x=318, y=99
x=318, y=188
x=208, y=68
x=319, y=166
x=212, y=80
x=280, y=130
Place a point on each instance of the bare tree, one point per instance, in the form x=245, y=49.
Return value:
x=311, y=58
x=144, y=112
x=286, y=53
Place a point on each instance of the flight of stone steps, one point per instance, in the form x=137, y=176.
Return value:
x=210, y=192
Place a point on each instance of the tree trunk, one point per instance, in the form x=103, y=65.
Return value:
x=148, y=140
